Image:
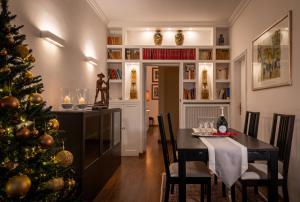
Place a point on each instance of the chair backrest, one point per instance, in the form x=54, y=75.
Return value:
x=251, y=123
x=281, y=137
x=174, y=146
x=164, y=144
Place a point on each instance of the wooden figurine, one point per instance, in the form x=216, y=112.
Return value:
x=102, y=87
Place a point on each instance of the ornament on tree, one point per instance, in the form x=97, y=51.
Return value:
x=10, y=165
x=35, y=132
x=35, y=98
x=55, y=184
x=31, y=59
x=70, y=183
x=46, y=141
x=2, y=131
x=3, y=52
x=28, y=75
x=22, y=51
x=53, y=124
x=23, y=133
x=5, y=70
x=9, y=102
x=18, y=186
x=64, y=158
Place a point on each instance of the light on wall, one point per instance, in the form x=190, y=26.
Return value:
x=52, y=38
x=91, y=61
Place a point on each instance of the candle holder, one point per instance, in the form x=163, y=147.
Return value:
x=82, y=97
x=67, y=98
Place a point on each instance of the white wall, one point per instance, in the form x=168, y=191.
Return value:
x=84, y=33
x=152, y=105
x=258, y=16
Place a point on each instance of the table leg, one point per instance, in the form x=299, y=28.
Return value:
x=273, y=176
x=182, y=175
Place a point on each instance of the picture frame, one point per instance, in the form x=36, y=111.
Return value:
x=155, y=75
x=271, y=56
x=155, y=92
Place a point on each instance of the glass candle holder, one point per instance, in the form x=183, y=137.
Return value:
x=67, y=98
x=82, y=97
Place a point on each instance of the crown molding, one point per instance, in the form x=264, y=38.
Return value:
x=99, y=12
x=238, y=11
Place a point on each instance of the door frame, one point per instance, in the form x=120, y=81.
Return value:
x=241, y=57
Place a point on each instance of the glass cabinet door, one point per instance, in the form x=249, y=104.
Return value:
x=92, y=140
x=106, y=130
x=117, y=128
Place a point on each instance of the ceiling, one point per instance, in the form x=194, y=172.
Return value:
x=213, y=11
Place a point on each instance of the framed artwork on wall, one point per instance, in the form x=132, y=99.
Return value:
x=155, y=92
x=271, y=56
x=155, y=75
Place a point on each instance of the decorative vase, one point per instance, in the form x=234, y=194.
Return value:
x=204, y=92
x=157, y=38
x=179, y=38
x=221, y=40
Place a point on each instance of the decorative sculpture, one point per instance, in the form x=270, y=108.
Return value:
x=179, y=38
x=157, y=38
x=102, y=87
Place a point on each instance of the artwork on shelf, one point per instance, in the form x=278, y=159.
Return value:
x=179, y=38
x=157, y=38
x=102, y=87
x=155, y=92
x=189, y=71
x=155, y=75
x=271, y=56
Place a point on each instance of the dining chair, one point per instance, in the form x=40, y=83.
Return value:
x=251, y=123
x=257, y=173
x=196, y=172
x=172, y=138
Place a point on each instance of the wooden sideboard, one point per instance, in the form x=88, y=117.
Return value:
x=94, y=138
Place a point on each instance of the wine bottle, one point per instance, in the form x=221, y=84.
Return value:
x=222, y=125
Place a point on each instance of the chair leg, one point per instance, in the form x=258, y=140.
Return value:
x=223, y=190
x=233, y=193
x=256, y=189
x=172, y=188
x=202, y=192
x=167, y=192
x=285, y=193
x=208, y=191
x=244, y=193
x=215, y=179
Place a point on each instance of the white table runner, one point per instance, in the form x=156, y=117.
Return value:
x=228, y=159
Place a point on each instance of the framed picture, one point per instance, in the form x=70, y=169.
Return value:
x=155, y=92
x=155, y=74
x=271, y=56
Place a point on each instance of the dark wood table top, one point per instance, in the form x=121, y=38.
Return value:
x=185, y=141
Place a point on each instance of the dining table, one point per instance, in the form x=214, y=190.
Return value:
x=191, y=148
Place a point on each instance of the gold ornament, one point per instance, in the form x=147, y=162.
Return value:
x=179, y=38
x=157, y=38
x=35, y=98
x=10, y=38
x=28, y=75
x=9, y=102
x=5, y=70
x=53, y=124
x=18, y=186
x=46, y=141
x=10, y=165
x=55, y=184
x=22, y=51
x=23, y=133
x=3, y=52
x=70, y=183
x=64, y=158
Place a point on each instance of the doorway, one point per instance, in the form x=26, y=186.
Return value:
x=161, y=93
x=239, y=89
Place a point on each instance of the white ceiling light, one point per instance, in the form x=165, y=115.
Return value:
x=52, y=38
x=91, y=61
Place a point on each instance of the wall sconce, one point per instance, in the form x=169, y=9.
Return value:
x=91, y=61
x=52, y=38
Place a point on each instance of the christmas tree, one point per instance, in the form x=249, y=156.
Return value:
x=33, y=163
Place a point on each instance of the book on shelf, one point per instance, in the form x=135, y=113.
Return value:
x=189, y=94
x=222, y=54
x=205, y=54
x=189, y=71
x=115, y=74
x=114, y=54
x=223, y=93
x=169, y=54
x=114, y=40
x=132, y=54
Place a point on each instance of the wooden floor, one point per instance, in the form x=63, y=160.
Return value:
x=137, y=179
